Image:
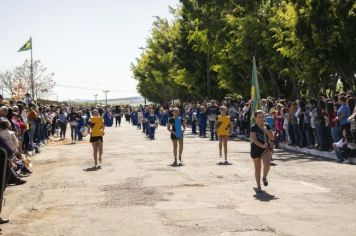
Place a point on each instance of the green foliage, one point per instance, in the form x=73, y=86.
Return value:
x=302, y=47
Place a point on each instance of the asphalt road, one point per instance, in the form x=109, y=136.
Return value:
x=137, y=193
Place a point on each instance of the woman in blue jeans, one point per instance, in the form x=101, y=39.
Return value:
x=62, y=123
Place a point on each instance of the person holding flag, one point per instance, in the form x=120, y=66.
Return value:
x=261, y=135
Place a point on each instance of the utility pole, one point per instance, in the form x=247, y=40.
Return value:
x=208, y=78
x=106, y=96
x=96, y=96
x=32, y=81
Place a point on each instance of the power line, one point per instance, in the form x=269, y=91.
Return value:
x=88, y=88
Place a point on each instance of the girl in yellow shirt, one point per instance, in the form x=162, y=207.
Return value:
x=97, y=131
x=222, y=126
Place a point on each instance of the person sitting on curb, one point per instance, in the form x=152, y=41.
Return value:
x=345, y=149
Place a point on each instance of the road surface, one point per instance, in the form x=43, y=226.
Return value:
x=137, y=193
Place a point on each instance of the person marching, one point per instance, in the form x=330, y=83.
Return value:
x=174, y=126
x=81, y=126
x=202, y=122
x=194, y=119
x=73, y=118
x=212, y=112
x=144, y=120
x=222, y=126
x=261, y=148
x=163, y=115
x=152, y=124
x=117, y=115
x=62, y=122
x=97, y=131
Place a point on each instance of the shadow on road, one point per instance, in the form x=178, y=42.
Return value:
x=90, y=169
x=176, y=165
x=224, y=163
x=284, y=156
x=263, y=196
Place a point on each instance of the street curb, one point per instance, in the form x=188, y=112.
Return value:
x=312, y=152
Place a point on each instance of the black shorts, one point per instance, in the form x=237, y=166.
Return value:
x=174, y=137
x=256, y=151
x=96, y=139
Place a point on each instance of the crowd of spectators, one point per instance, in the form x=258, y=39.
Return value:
x=325, y=123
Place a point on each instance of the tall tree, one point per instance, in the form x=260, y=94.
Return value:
x=43, y=81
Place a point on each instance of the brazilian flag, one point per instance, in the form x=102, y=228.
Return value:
x=27, y=46
x=255, y=92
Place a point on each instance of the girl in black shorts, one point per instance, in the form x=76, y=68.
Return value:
x=97, y=131
x=175, y=125
x=261, y=149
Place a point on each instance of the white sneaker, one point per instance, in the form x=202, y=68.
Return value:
x=348, y=161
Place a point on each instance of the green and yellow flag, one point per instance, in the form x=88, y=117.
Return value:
x=27, y=46
x=255, y=92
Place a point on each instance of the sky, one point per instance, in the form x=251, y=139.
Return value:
x=88, y=44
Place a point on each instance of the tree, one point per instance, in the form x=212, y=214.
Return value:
x=302, y=48
x=7, y=80
x=43, y=81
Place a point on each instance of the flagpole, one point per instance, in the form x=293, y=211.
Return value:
x=32, y=82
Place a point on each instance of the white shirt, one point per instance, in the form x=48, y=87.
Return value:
x=313, y=115
x=285, y=122
x=340, y=144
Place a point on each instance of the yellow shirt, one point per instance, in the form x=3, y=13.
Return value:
x=97, y=123
x=223, y=125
